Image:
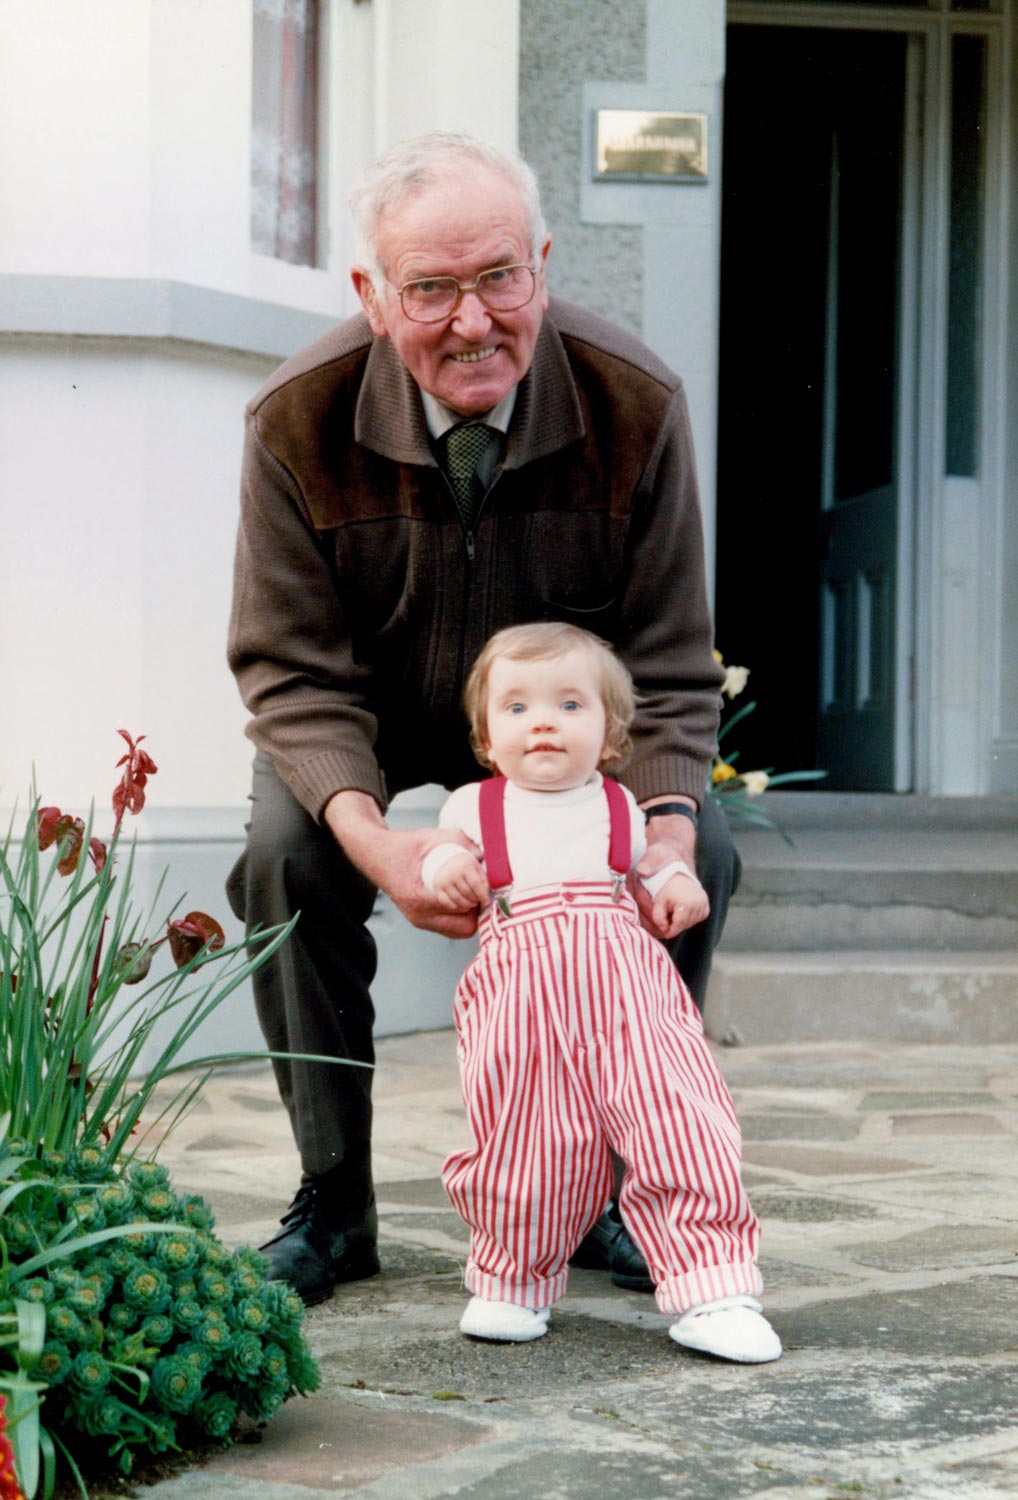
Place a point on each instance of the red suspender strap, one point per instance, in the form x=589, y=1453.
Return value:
x=620, y=846
x=496, y=854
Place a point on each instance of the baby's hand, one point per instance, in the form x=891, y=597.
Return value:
x=680, y=903
x=460, y=884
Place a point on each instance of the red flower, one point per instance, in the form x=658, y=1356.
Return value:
x=188, y=936
x=129, y=794
x=49, y=818
x=60, y=828
x=56, y=827
x=10, y=1489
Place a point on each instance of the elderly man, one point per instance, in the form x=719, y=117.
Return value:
x=466, y=455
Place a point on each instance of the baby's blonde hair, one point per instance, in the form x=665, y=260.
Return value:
x=542, y=641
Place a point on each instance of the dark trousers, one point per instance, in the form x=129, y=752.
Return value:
x=719, y=869
x=313, y=995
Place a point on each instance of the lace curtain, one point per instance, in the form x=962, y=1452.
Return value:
x=284, y=130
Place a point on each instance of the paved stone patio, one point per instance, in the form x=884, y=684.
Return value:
x=886, y=1177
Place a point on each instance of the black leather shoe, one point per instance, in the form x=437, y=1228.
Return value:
x=355, y=1247
x=607, y=1246
x=312, y=1254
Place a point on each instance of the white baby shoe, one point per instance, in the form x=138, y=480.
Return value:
x=730, y=1328
x=503, y=1322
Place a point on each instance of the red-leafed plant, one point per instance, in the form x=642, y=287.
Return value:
x=107, y=1277
x=72, y=1038
x=187, y=936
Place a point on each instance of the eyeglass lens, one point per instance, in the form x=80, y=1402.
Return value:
x=503, y=289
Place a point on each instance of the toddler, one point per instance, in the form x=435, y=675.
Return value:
x=576, y=1034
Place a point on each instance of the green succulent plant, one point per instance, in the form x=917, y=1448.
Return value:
x=126, y=1327
x=150, y=1341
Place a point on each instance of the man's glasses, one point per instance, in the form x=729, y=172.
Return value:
x=435, y=298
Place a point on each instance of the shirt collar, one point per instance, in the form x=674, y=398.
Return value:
x=531, y=797
x=439, y=418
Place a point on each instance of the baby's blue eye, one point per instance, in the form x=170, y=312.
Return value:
x=516, y=708
x=570, y=705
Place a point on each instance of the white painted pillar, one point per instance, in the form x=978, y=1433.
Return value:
x=446, y=65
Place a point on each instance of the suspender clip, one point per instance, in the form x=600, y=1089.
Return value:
x=501, y=899
x=618, y=886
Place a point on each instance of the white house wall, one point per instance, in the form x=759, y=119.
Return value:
x=125, y=162
x=118, y=511
x=135, y=323
x=75, y=123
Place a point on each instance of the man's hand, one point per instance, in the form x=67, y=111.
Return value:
x=391, y=859
x=668, y=838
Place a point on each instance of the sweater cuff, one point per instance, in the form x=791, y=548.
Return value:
x=320, y=777
x=668, y=775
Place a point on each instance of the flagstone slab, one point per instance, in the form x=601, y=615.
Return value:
x=821, y=1163
x=946, y=1247
x=946, y=1125
x=804, y=1125
x=340, y=1442
x=886, y=1403
x=783, y=1275
x=811, y=1208
x=974, y=1197
x=961, y=1320
x=424, y=1192
x=887, y=1100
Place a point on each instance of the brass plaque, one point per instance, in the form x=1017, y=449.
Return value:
x=635, y=145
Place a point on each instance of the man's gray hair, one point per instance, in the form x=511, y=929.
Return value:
x=413, y=165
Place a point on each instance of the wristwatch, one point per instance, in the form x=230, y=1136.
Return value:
x=667, y=809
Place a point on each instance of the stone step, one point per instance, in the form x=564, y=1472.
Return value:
x=769, y=998
x=885, y=812
x=878, y=873
x=838, y=907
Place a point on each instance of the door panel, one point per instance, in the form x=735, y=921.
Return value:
x=808, y=419
x=855, y=740
x=859, y=500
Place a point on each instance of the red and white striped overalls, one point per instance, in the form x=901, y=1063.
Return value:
x=576, y=1034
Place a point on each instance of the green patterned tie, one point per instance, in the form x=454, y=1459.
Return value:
x=465, y=446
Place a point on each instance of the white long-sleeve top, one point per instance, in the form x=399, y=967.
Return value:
x=550, y=836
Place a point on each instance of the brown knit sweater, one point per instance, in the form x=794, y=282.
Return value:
x=360, y=602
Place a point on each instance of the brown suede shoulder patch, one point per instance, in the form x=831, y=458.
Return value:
x=624, y=409
x=308, y=426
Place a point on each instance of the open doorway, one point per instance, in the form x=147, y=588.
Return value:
x=809, y=467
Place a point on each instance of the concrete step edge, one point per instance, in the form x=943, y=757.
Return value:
x=863, y=960
x=765, y=998
x=881, y=812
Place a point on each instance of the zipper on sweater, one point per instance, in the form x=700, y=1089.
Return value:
x=470, y=536
x=469, y=541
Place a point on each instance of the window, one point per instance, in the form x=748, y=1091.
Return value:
x=284, y=130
